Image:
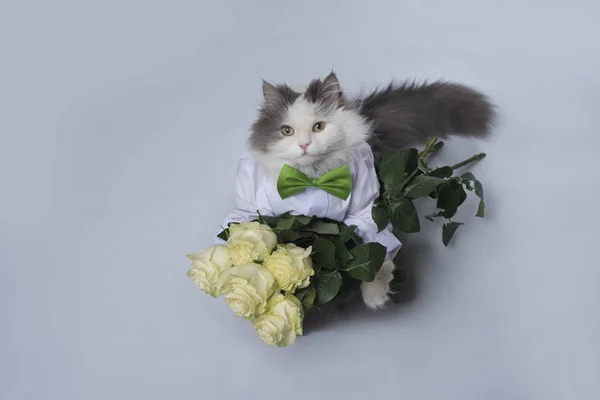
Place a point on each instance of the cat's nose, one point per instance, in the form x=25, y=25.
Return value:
x=304, y=146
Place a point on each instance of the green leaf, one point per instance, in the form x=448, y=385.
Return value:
x=462, y=195
x=449, y=199
x=448, y=231
x=481, y=209
x=307, y=297
x=293, y=222
x=303, y=220
x=324, y=253
x=391, y=170
x=421, y=186
x=381, y=217
x=453, y=195
x=346, y=233
x=357, y=240
x=328, y=286
x=286, y=223
x=322, y=228
x=224, y=235
x=269, y=220
x=341, y=253
x=395, y=165
x=304, y=239
x=442, y=172
x=436, y=147
x=403, y=216
x=411, y=160
x=478, y=186
x=366, y=261
x=478, y=189
x=287, y=236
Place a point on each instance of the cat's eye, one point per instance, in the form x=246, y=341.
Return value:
x=287, y=130
x=318, y=127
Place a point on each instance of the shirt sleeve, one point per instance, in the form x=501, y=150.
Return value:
x=365, y=190
x=246, y=205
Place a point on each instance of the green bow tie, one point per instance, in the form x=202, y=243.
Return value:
x=338, y=182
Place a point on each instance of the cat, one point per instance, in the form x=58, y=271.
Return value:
x=316, y=128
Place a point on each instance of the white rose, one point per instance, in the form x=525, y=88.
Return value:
x=281, y=322
x=207, y=267
x=250, y=241
x=291, y=266
x=246, y=289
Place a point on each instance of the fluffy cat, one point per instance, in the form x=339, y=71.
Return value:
x=316, y=129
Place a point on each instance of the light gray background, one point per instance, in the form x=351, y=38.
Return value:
x=120, y=126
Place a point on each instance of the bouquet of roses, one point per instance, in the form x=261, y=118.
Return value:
x=273, y=270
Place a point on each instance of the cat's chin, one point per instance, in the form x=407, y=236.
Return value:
x=307, y=160
x=312, y=165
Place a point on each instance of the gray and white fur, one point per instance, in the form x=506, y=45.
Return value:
x=410, y=114
x=315, y=129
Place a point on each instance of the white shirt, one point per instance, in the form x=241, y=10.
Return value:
x=256, y=189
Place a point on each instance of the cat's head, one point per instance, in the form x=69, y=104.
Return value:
x=307, y=129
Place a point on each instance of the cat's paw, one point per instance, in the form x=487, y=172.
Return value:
x=375, y=293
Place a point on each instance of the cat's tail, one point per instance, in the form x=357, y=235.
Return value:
x=409, y=114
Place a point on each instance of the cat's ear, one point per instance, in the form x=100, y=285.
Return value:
x=271, y=94
x=331, y=91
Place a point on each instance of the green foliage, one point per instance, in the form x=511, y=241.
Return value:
x=224, y=234
x=481, y=209
x=448, y=231
x=391, y=170
x=405, y=177
x=421, y=186
x=381, y=217
x=450, y=196
x=403, y=215
x=307, y=297
x=342, y=253
x=327, y=286
x=293, y=222
x=478, y=188
x=322, y=228
x=395, y=167
x=324, y=253
x=340, y=258
x=346, y=233
x=442, y=172
x=366, y=261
